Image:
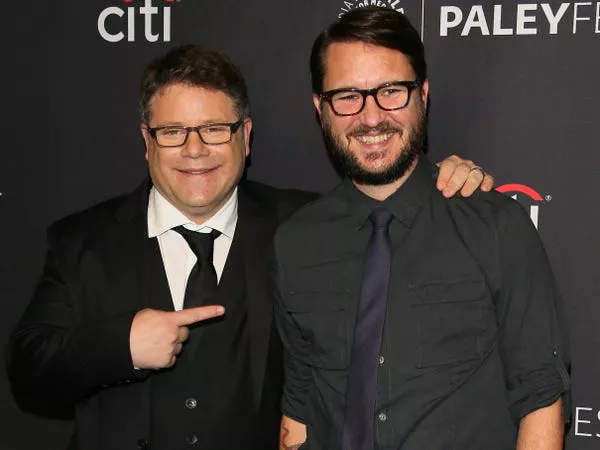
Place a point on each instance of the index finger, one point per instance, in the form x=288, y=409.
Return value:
x=192, y=315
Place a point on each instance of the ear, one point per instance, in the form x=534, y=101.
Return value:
x=147, y=138
x=425, y=92
x=317, y=102
x=247, y=130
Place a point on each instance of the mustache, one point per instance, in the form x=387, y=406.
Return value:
x=383, y=127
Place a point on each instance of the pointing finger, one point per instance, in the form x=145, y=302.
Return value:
x=192, y=315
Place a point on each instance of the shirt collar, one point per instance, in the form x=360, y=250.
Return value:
x=404, y=204
x=163, y=216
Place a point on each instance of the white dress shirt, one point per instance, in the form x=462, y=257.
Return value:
x=178, y=258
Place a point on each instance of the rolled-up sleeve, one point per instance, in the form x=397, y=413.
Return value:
x=297, y=370
x=531, y=320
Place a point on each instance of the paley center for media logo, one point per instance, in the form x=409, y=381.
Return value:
x=528, y=197
x=520, y=19
x=350, y=5
x=412, y=8
x=136, y=22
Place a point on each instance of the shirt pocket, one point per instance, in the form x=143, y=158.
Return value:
x=323, y=321
x=451, y=319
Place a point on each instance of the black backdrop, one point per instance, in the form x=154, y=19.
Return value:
x=514, y=87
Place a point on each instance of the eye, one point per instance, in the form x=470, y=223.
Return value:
x=348, y=97
x=216, y=129
x=391, y=91
x=171, y=132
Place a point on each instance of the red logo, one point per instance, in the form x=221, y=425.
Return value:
x=527, y=196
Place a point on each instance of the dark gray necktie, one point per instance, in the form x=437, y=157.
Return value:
x=359, y=421
x=202, y=282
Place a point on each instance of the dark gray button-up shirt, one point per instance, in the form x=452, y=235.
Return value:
x=473, y=339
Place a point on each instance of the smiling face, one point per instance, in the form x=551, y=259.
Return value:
x=374, y=147
x=196, y=178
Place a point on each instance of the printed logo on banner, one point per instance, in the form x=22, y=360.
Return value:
x=587, y=422
x=350, y=5
x=520, y=19
x=528, y=197
x=136, y=22
x=412, y=8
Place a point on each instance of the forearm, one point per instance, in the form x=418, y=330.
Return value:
x=68, y=363
x=292, y=434
x=542, y=429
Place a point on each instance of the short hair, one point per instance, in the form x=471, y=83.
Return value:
x=384, y=27
x=197, y=66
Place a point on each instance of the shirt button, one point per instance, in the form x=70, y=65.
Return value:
x=381, y=360
x=191, y=403
x=382, y=417
x=192, y=439
x=555, y=353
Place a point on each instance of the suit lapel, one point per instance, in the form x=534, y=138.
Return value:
x=147, y=286
x=140, y=256
x=256, y=226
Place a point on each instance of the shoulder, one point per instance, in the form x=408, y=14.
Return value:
x=310, y=219
x=484, y=203
x=282, y=202
x=99, y=218
x=489, y=211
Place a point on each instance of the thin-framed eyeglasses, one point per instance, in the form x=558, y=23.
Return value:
x=388, y=96
x=212, y=133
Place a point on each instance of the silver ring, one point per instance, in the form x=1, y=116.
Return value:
x=478, y=168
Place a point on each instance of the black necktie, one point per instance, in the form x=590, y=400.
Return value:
x=202, y=282
x=359, y=421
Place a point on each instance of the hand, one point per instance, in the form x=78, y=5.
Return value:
x=157, y=337
x=292, y=434
x=464, y=175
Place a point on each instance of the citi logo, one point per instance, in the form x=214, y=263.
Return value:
x=116, y=24
x=528, y=197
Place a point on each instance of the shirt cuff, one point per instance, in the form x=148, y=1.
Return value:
x=538, y=389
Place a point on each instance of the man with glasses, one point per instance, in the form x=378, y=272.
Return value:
x=409, y=322
x=153, y=315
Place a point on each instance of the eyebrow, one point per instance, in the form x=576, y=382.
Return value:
x=364, y=89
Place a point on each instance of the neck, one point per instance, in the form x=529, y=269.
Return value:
x=381, y=192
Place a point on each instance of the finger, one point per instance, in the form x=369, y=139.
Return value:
x=447, y=168
x=192, y=315
x=488, y=183
x=182, y=334
x=177, y=349
x=474, y=179
x=457, y=180
x=171, y=362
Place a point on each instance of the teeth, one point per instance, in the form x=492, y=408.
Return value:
x=374, y=139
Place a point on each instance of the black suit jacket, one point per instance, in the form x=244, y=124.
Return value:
x=71, y=348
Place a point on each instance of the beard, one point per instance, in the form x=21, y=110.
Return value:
x=348, y=165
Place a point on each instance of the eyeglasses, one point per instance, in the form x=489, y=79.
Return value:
x=213, y=133
x=388, y=96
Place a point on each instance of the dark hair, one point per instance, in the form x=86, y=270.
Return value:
x=198, y=66
x=384, y=27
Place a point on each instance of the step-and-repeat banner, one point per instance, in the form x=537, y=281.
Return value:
x=514, y=86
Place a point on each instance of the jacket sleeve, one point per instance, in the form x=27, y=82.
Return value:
x=297, y=370
x=54, y=356
x=531, y=321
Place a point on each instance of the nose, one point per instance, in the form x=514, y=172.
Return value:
x=372, y=114
x=194, y=147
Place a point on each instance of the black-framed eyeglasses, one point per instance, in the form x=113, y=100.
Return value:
x=388, y=96
x=212, y=133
